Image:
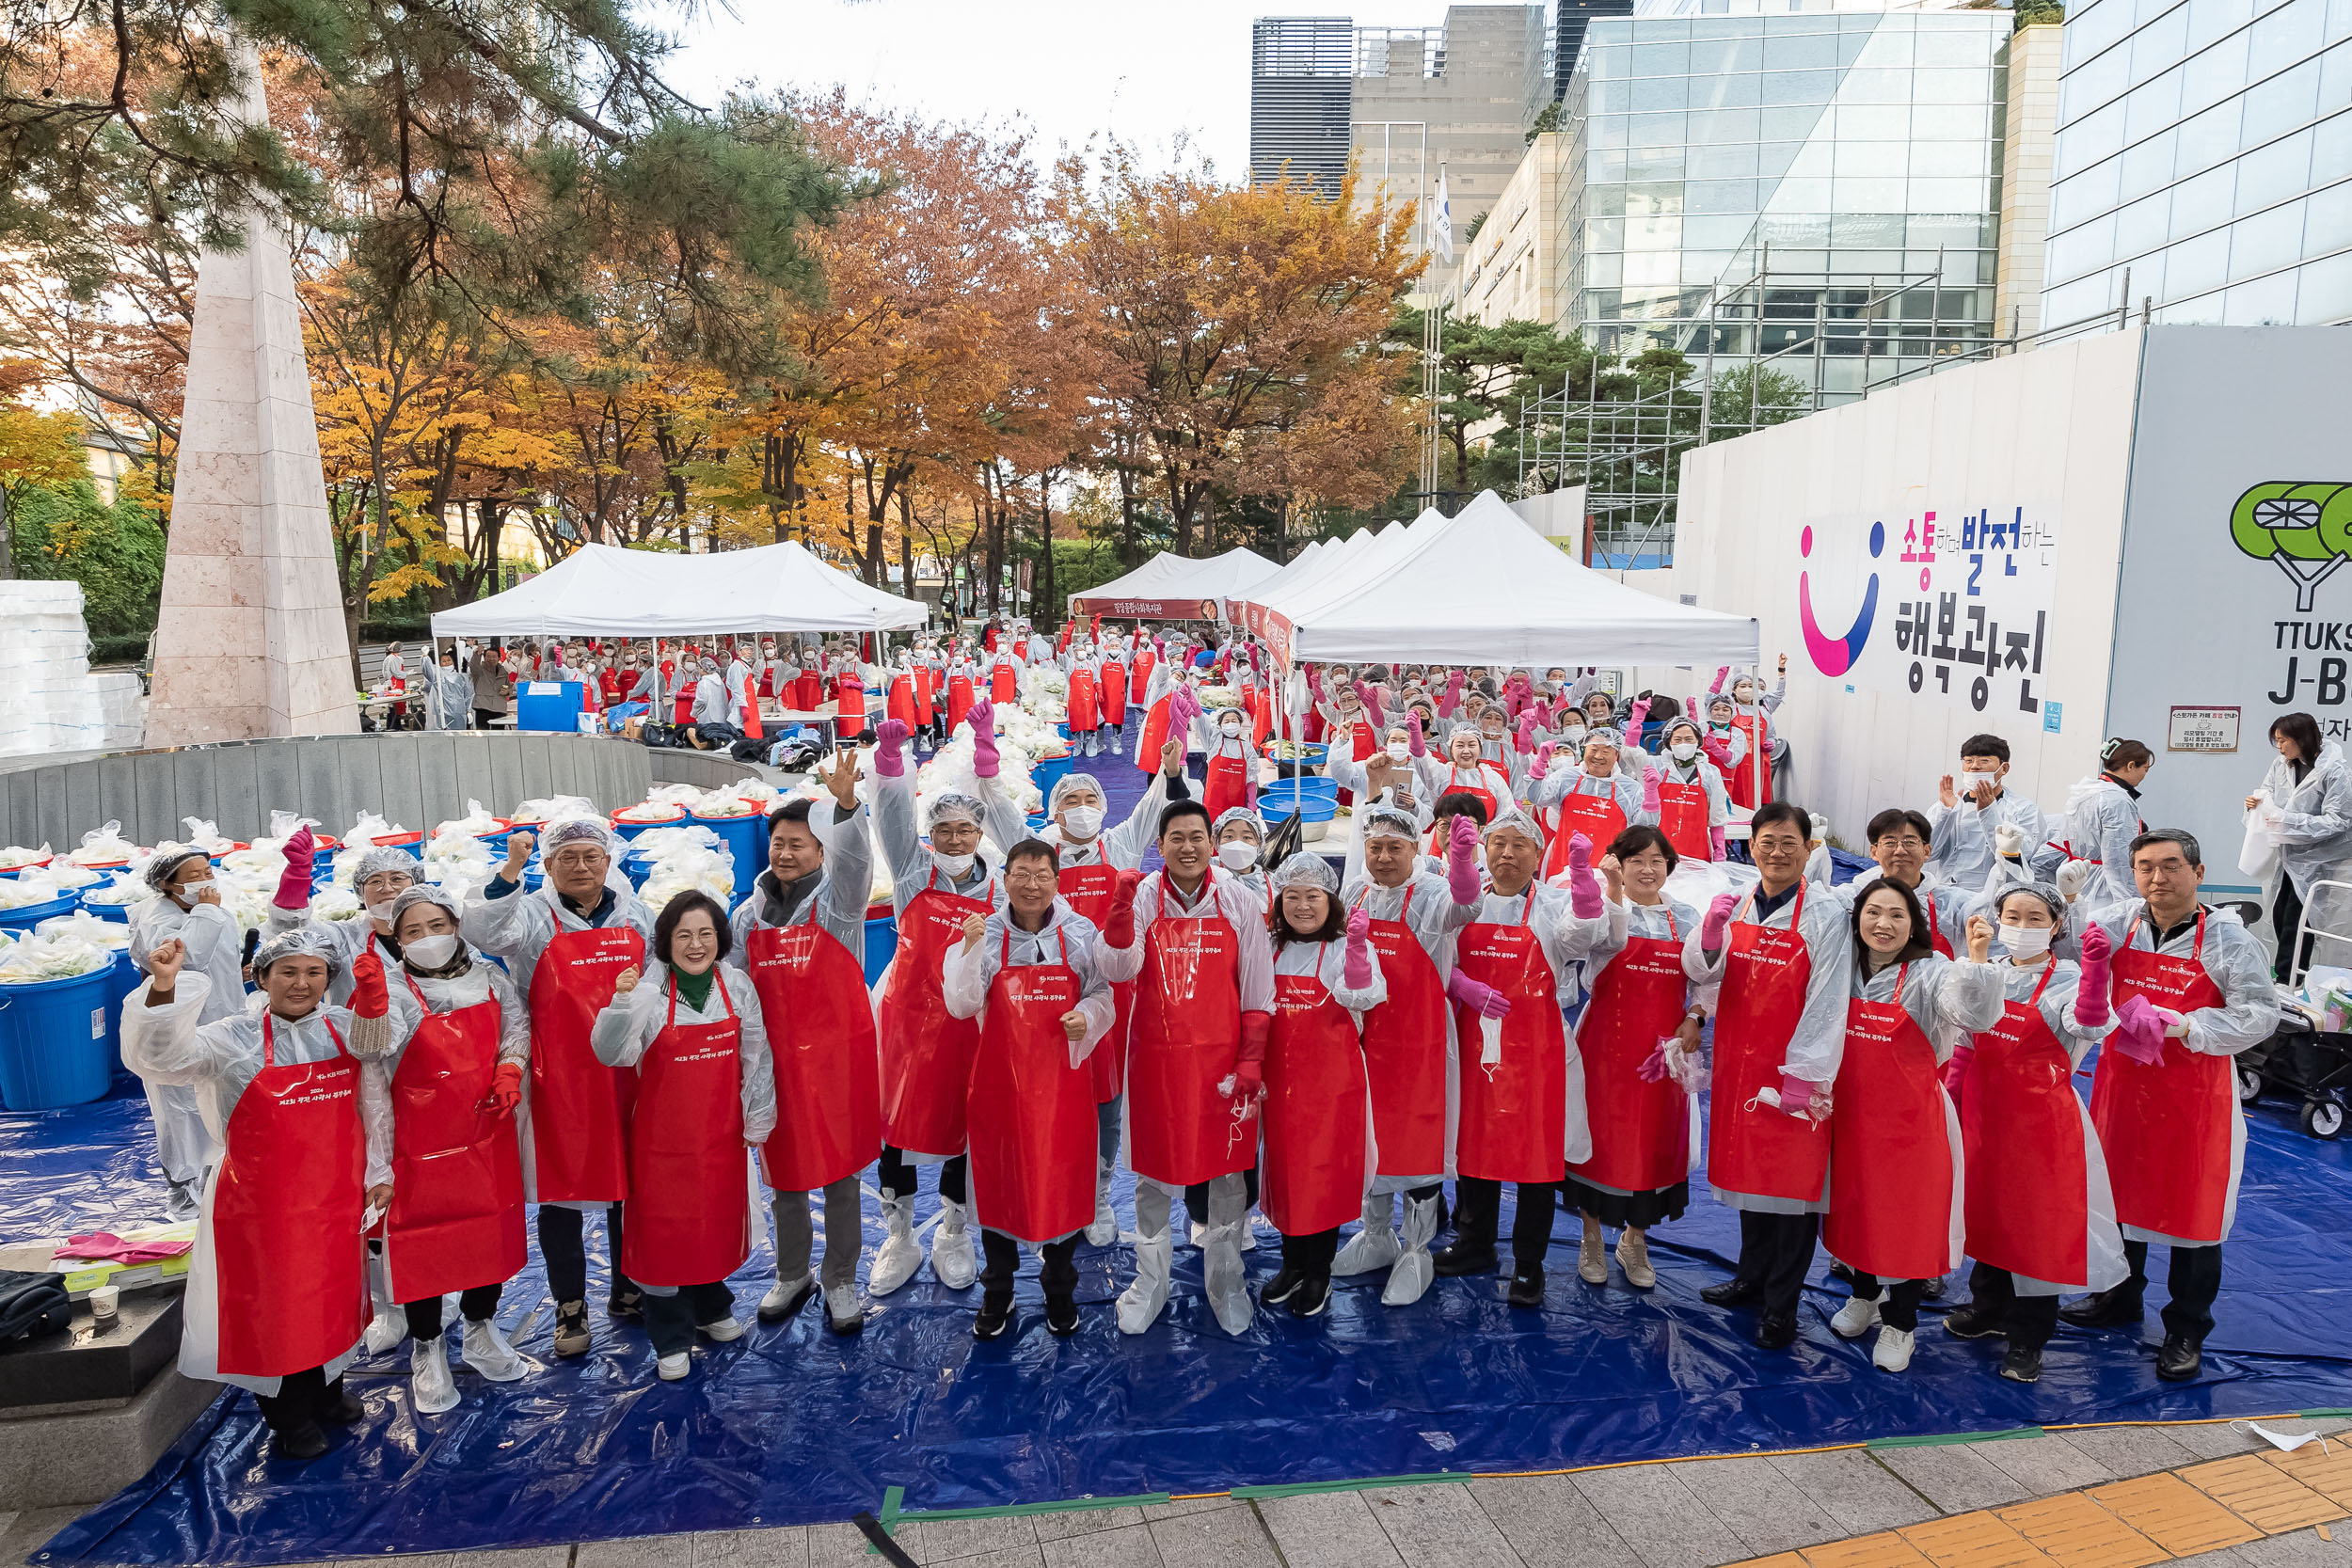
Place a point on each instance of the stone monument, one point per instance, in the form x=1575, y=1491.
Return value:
x=250, y=638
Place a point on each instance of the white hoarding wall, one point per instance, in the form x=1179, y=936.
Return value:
x=2235, y=606
x=1935, y=561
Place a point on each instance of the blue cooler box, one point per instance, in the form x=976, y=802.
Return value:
x=551, y=705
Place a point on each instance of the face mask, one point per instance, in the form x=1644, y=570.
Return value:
x=191, y=891
x=1743, y=693
x=1230, y=726
x=2026, y=941
x=430, y=952
x=1573, y=735
x=956, y=867
x=1082, y=822
x=1970, y=781
x=1398, y=751
x=1237, y=854
x=1684, y=750
x=381, y=911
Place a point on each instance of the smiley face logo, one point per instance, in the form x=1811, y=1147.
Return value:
x=1834, y=655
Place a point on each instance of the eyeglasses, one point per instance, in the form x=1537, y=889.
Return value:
x=1031, y=878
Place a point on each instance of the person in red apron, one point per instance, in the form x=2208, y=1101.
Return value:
x=930, y=672
x=1169, y=712
x=1028, y=975
x=455, y=1060
x=1898, y=840
x=899, y=704
x=1592, y=797
x=1684, y=797
x=565, y=945
x=1082, y=701
x=2193, y=988
x=2040, y=1210
x=1781, y=955
x=1204, y=1001
x=809, y=687
x=926, y=1054
x=1231, y=773
x=1895, y=1180
x=1114, y=696
x=704, y=1095
x=801, y=936
x=1004, y=676
x=1089, y=857
x=848, y=701
x=1319, y=1144
x=1639, y=1041
x=1351, y=728
x=1415, y=914
x=1463, y=771
x=961, y=673
x=1751, y=778
x=1522, y=1087
x=276, y=1298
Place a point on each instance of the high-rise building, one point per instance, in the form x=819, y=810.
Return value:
x=1510, y=269
x=2026, y=114
x=1458, y=98
x=1567, y=35
x=1301, y=71
x=2203, y=164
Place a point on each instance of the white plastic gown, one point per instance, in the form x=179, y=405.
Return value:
x=1697, y=770
x=217, y=1061
x=2314, y=837
x=1960, y=843
x=1664, y=921
x=845, y=885
x=2100, y=820
x=1124, y=846
x=1327, y=961
x=215, y=949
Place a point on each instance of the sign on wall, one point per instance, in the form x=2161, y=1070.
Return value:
x=2201, y=729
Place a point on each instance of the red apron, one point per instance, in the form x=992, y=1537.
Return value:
x=456, y=1219
x=959, y=699
x=1936, y=939
x=1366, y=742
x=752, y=729
x=1083, y=715
x=2167, y=1128
x=925, y=1053
x=1145, y=659
x=682, y=711
x=1682, y=817
x=810, y=691
x=1890, y=1169
x=1404, y=1046
x=1598, y=817
x=1155, y=734
x=578, y=1106
x=903, y=699
x=1751, y=782
x=1114, y=694
x=1514, y=1125
x=1185, y=1041
x=1227, y=784
x=1033, y=1127
x=1762, y=1153
x=2028, y=1203
x=925, y=691
x=288, y=1264
x=768, y=677
x=1089, y=890
x=849, y=702
x=1312, y=1172
x=820, y=1035
x=1478, y=790
x=1004, y=682
x=689, y=1216
x=1641, y=1132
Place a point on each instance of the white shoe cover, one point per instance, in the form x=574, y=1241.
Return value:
x=1414, y=1269
x=1141, y=1303
x=1248, y=1241
x=1225, y=1279
x=487, y=1353
x=952, y=1261
x=672, y=1368
x=1199, y=1235
x=1105, y=1230
x=1115, y=750
x=1855, y=1319
x=390, y=1325
x=899, y=1257
x=1892, y=1353
x=1375, y=1246
x=430, y=1386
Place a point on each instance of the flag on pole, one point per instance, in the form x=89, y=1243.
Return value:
x=1442, y=224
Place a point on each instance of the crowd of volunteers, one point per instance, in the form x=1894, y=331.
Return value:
x=1535, y=956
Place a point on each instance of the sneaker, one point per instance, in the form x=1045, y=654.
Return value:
x=1633, y=1258
x=2021, y=1364
x=627, y=1305
x=844, y=1313
x=786, y=1298
x=1309, y=1299
x=672, y=1368
x=723, y=1330
x=298, y=1445
x=571, y=1328
x=1279, y=1288
x=994, y=1317
x=1973, y=1322
x=1061, y=1316
x=1592, y=1264
x=1853, y=1320
x=1892, y=1353
x=1527, y=1284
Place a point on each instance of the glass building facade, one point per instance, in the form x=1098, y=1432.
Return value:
x=2203, y=149
x=1822, y=183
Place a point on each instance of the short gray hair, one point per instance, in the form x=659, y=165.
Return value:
x=2182, y=837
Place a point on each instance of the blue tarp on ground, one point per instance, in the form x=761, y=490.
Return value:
x=791, y=1424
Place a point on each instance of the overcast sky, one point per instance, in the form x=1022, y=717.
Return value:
x=1152, y=70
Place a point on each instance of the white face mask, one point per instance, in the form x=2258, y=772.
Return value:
x=1573, y=735
x=1398, y=751
x=430, y=952
x=191, y=891
x=956, y=867
x=1230, y=725
x=2026, y=941
x=381, y=911
x=1237, y=854
x=1082, y=822
x=1970, y=781
x=1743, y=693
x=1685, y=750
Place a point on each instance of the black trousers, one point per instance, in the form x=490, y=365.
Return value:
x=1776, y=1252
x=670, y=1319
x=1001, y=1259
x=1196, y=1196
x=2192, y=1283
x=488, y=717
x=301, y=1398
x=2286, y=913
x=2027, y=1320
x=1312, y=1254
x=896, y=1175
x=476, y=1305
x=567, y=1254
x=1478, y=1209
x=1898, y=1301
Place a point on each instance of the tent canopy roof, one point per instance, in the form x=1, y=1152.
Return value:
x=603, y=591
x=1176, y=588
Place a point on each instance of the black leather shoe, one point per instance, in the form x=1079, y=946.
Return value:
x=1279, y=1290
x=791, y=1306
x=298, y=1445
x=995, y=1316
x=1775, y=1331
x=1527, y=1284
x=2021, y=1364
x=1463, y=1257
x=1061, y=1316
x=1310, y=1298
x=344, y=1411
x=2180, y=1359
x=1733, y=1292
x=1972, y=1323
x=2120, y=1308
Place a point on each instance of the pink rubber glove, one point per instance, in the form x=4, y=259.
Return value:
x=890, y=747
x=1716, y=845
x=1649, y=791
x=1315, y=680
x=1527, y=731
x=1543, y=760
x=1461, y=861
x=1481, y=999
x=1357, y=973
x=2091, y=1003
x=2138, y=1031
x=1453, y=698
x=1796, y=1094
x=1720, y=671
x=983, y=721
x=1584, y=895
x=1415, y=741
x=294, y=883
x=1718, y=921
x=1634, y=721
x=1371, y=700
x=1653, y=1068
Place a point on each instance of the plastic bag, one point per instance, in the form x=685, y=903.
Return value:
x=2258, y=856
x=35, y=958
x=283, y=823
x=105, y=846
x=334, y=903
x=120, y=889
x=206, y=836
x=87, y=928
x=554, y=809
x=16, y=857
x=372, y=830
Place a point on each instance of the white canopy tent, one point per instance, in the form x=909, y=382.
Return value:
x=1176, y=588
x=603, y=591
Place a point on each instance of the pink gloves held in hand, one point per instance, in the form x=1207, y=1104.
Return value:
x=1358, y=972
x=2091, y=1005
x=890, y=745
x=1649, y=789
x=2139, y=1031
x=294, y=883
x=1584, y=894
x=1718, y=921
x=1480, y=998
x=1653, y=1068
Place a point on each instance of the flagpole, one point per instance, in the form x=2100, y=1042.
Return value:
x=1439, y=231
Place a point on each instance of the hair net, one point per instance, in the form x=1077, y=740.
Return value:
x=378, y=861
x=300, y=941
x=1232, y=815
x=166, y=860
x=1518, y=821
x=1068, y=783
x=1389, y=822
x=1603, y=734
x=1304, y=869
x=424, y=893
x=575, y=830
x=2043, y=891
x=952, y=806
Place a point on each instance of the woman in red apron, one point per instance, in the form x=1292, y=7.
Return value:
x=1463, y=771
x=705, y=1097
x=1751, y=781
x=277, y=1297
x=1231, y=780
x=1319, y=1155
x=927, y=679
x=1004, y=678
x=1591, y=796
x=1895, y=1170
x=1685, y=798
x=959, y=677
x=1028, y=973
x=1083, y=704
x=808, y=688
x=1639, y=1040
x=455, y=1224
x=1114, y=698
x=900, y=703
x=2040, y=1213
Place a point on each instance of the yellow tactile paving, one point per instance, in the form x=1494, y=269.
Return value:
x=1779, y=1559
x=2260, y=1493
x=2075, y=1533
x=2174, y=1514
x=2328, y=1472
x=1884, y=1550
x=1977, y=1540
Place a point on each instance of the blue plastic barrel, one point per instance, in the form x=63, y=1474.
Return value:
x=119, y=913
x=746, y=839
x=26, y=916
x=1048, y=773
x=53, y=1047
x=882, y=941
x=636, y=865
